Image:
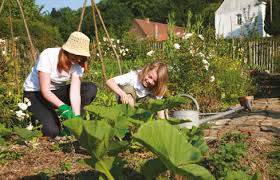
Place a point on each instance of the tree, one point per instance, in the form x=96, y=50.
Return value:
x=273, y=28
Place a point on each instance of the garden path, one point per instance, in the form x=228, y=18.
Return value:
x=262, y=126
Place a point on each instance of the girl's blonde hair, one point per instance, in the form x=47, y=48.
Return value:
x=160, y=86
x=64, y=62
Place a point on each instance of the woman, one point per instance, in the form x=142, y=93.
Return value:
x=46, y=85
x=151, y=80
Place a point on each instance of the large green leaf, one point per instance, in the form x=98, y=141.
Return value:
x=95, y=137
x=75, y=125
x=152, y=168
x=155, y=105
x=194, y=171
x=25, y=134
x=104, y=165
x=171, y=147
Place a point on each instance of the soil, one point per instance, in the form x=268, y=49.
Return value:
x=63, y=159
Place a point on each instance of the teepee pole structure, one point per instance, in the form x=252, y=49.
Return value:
x=108, y=37
x=33, y=52
x=14, y=56
x=97, y=40
x=82, y=15
x=2, y=5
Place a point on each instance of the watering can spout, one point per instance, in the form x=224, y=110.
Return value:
x=246, y=102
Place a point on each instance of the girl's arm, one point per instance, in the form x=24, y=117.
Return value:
x=45, y=81
x=75, y=94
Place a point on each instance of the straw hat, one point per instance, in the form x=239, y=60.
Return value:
x=78, y=44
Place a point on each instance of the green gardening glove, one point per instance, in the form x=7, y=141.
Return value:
x=65, y=112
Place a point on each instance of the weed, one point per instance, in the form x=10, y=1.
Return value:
x=227, y=157
x=9, y=155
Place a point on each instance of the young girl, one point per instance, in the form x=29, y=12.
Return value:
x=151, y=80
x=46, y=85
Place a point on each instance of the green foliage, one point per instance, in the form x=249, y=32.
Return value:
x=9, y=155
x=227, y=157
x=195, y=137
x=172, y=149
x=240, y=175
x=44, y=35
x=67, y=166
x=272, y=28
x=274, y=157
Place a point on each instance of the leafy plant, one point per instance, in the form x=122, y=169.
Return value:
x=172, y=149
x=227, y=157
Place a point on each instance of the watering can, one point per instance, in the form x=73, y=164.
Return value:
x=193, y=115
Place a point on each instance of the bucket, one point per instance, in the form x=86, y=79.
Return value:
x=192, y=115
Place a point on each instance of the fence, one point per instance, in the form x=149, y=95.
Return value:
x=265, y=53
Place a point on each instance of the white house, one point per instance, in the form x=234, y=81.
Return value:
x=236, y=18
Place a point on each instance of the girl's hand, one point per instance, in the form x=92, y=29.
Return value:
x=128, y=99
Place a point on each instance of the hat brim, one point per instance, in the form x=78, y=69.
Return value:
x=76, y=52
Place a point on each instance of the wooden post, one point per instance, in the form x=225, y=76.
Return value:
x=271, y=11
x=14, y=57
x=97, y=42
x=2, y=5
x=33, y=52
x=82, y=15
x=108, y=37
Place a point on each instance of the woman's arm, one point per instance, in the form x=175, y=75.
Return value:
x=45, y=81
x=125, y=98
x=75, y=94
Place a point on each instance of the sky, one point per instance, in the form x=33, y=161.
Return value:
x=73, y=4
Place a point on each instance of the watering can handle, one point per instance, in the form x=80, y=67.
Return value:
x=192, y=98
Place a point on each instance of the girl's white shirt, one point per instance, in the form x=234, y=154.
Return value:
x=132, y=79
x=47, y=63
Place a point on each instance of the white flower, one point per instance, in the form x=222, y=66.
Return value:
x=126, y=49
x=178, y=33
x=112, y=39
x=124, y=54
x=120, y=51
x=97, y=54
x=3, y=52
x=201, y=54
x=187, y=36
x=206, y=66
x=176, y=46
x=212, y=78
x=150, y=53
x=118, y=41
x=99, y=43
x=22, y=106
x=27, y=101
x=114, y=46
x=204, y=61
x=29, y=127
x=201, y=37
x=104, y=39
x=20, y=114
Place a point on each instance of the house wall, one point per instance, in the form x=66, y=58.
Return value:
x=252, y=17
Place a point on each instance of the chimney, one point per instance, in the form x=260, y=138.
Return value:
x=147, y=20
x=156, y=31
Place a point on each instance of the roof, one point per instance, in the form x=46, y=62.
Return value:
x=157, y=30
x=233, y=5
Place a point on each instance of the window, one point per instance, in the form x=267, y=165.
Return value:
x=239, y=19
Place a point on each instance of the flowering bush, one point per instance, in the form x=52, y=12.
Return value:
x=202, y=66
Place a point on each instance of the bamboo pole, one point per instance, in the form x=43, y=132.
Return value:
x=82, y=15
x=97, y=42
x=108, y=37
x=27, y=31
x=2, y=5
x=14, y=49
